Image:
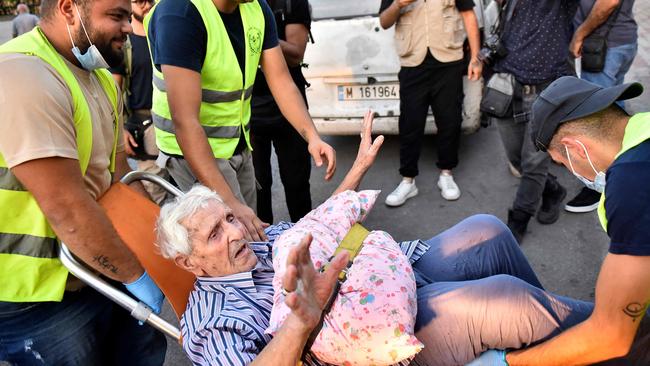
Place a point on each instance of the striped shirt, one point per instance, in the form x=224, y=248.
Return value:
x=226, y=317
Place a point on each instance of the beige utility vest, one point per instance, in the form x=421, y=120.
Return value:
x=434, y=25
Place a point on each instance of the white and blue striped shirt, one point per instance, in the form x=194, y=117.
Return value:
x=226, y=317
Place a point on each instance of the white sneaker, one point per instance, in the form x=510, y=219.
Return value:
x=404, y=191
x=448, y=188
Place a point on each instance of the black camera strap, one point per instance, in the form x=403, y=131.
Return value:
x=505, y=15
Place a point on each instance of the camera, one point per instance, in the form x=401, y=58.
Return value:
x=492, y=50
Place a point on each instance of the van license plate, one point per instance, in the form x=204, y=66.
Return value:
x=368, y=92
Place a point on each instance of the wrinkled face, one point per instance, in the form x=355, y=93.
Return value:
x=219, y=248
x=141, y=8
x=107, y=24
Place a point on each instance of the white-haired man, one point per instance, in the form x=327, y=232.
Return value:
x=461, y=313
x=24, y=21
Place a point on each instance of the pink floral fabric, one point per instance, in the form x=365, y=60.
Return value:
x=372, y=320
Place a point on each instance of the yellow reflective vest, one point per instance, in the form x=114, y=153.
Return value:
x=226, y=93
x=636, y=132
x=30, y=270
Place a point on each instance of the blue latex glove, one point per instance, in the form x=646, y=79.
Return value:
x=493, y=357
x=147, y=291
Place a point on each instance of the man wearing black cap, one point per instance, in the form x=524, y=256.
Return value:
x=580, y=126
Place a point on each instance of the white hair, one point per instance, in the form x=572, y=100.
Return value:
x=173, y=237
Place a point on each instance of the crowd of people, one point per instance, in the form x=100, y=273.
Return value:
x=199, y=92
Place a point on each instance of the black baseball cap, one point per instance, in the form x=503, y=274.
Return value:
x=569, y=98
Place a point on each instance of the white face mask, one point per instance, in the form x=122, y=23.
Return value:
x=92, y=59
x=598, y=184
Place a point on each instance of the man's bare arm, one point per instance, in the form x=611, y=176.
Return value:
x=294, y=47
x=599, y=14
x=77, y=219
x=622, y=298
x=389, y=16
x=293, y=107
x=475, y=67
x=184, y=96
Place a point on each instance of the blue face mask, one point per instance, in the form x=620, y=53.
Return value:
x=598, y=184
x=92, y=59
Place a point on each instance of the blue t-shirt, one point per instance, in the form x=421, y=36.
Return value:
x=537, y=38
x=628, y=202
x=178, y=36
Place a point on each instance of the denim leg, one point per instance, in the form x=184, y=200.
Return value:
x=534, y=170
x=82, y=330
x=69, y=332
x=511, y=137
x=477, y=247
x=617, y=64
x=457, y=321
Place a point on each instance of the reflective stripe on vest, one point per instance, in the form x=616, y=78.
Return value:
x=30, y=270
x=637, y=131
x=225, y=92
x=210, y=96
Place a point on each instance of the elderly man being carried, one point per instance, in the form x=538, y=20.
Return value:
x=475, y=289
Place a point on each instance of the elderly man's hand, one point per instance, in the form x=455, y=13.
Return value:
x=368, y=149
x=308, y=300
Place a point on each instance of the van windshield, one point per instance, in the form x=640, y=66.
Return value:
x=342, y=9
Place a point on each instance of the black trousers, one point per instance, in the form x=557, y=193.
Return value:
x=439, y=86
x=294, y=162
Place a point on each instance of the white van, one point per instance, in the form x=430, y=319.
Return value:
x=353, y=66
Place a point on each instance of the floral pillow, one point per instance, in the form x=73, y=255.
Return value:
x=372, y=319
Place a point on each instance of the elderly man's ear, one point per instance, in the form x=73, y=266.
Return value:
x=186, y=263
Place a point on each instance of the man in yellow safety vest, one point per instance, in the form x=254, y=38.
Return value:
x=582, y=127
x=206, y=54
x=60, y=149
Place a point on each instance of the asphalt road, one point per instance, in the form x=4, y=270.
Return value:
x=566, y=255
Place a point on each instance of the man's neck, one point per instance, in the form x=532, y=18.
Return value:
x=60, y=41
x=138, y=28
x=226, y=6
x=613, y=146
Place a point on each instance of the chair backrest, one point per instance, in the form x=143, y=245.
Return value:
x=134, y=218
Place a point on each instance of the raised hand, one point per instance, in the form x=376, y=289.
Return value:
x=308, y=300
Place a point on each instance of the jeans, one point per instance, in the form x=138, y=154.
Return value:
x=85, y=328
x=617, y=64
x=533, y=165
x=439, y=86
x=477, y=291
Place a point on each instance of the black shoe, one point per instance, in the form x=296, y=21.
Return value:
x=552, y=198
x=586, y=201
x=518, y=223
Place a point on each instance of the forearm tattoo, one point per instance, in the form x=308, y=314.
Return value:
x=636, y=310
x=105, y=263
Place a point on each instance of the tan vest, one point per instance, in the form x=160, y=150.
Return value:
x=433, y=24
